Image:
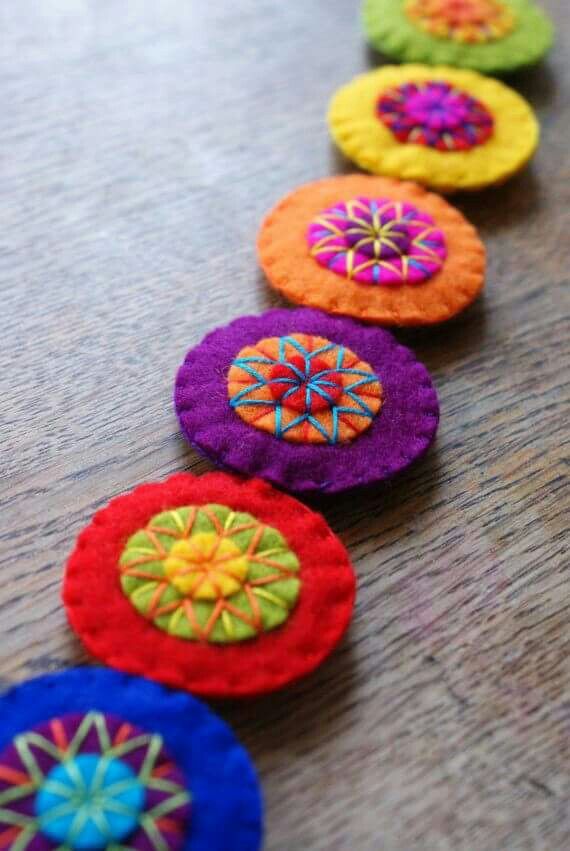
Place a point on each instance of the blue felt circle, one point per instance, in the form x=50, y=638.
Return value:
x=226, y=809
x=90, y=802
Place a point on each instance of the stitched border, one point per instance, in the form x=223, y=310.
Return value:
x=113, y=631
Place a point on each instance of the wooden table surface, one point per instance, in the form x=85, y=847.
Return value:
x=142, y=143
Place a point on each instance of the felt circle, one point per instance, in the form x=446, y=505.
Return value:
x=114, y=631
x=466, y=21
x=363, y=136
x=377, y=241
x=103, y=728
x=304, y=389
x=491, y=36
x=89, y=802
x=209, y=573
x=436, y=115
x=398, y=435
x=419, y=300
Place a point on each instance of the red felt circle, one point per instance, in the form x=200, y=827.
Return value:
x=112, y=629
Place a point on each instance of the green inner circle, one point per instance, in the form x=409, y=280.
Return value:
x=218, y=607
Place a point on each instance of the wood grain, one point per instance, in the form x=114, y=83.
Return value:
x=143, y=142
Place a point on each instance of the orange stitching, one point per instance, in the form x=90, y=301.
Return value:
x=59, y=736
x=190, y=522
x=213, y=619
x=140, y=574
x=157, y=545
x=253, y=544
x=161, y=770
x=237, y=613
x=213, y=519
x=135, y=562
x=156, y=597
x=11, y=775
x=164, y=530
x=166, y=609
x=256, y=609
x=122, y=734
x=9, y=835
x=189, y=612
x=168, y=825
x=266, y=580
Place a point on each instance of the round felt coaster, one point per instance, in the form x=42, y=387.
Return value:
x=306, y=400
x=373, y=248
x=94, y=759
x=492, y=36
x=221, y=586
x=446, y=128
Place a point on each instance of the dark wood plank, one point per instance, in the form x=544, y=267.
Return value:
x=142, y=145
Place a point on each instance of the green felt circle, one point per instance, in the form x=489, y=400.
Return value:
x=390, y=30
x=264, y=602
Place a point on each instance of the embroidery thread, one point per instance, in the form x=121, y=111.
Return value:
x=304, y=389
x=210, y=574
x=465, y=21
x=377, y=241
x=91, y=781
x=436, y=114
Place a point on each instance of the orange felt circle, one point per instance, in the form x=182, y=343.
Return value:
x=343, y=407
x=285, y=256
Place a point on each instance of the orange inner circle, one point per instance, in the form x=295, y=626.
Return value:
x=304, y=389
x=462, y=20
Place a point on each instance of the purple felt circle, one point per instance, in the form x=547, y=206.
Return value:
x=400, y=433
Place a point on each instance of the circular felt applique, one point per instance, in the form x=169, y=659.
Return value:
x=443, y=127
x=493, y=36
x=216, y=585
x=304, y=389
x=92, y=759
x=373, y=248
x=305, y=400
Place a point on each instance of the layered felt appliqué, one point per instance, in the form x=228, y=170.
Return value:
x=220, y=586
x=373, y=248
x=447, y=128
x=92, y=759
x=308, y=401
x=492, y=36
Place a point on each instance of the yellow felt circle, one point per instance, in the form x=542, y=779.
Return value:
x=206, y=567
x=365, y=139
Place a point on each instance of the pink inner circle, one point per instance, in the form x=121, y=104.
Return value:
x=377, y=241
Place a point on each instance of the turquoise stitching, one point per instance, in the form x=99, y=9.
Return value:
x=316, y=384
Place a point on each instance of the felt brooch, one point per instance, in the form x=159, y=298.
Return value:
x=373, y=248
x=213, y=584
x=306, y=400
x=443, y=127
x=91, y=759
x=493, y=36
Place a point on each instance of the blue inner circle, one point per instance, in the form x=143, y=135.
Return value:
x=90, y=802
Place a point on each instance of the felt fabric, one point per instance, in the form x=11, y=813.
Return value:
x=466, y=21
x=437, y=115
x=90, y=781
x=189, y=745
x=399, y=434
x=304, y=389
x=288, y=260
x=492, y=36
x=377, y=241
x=210, y=573
x=113, y=630
x=363, y=136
